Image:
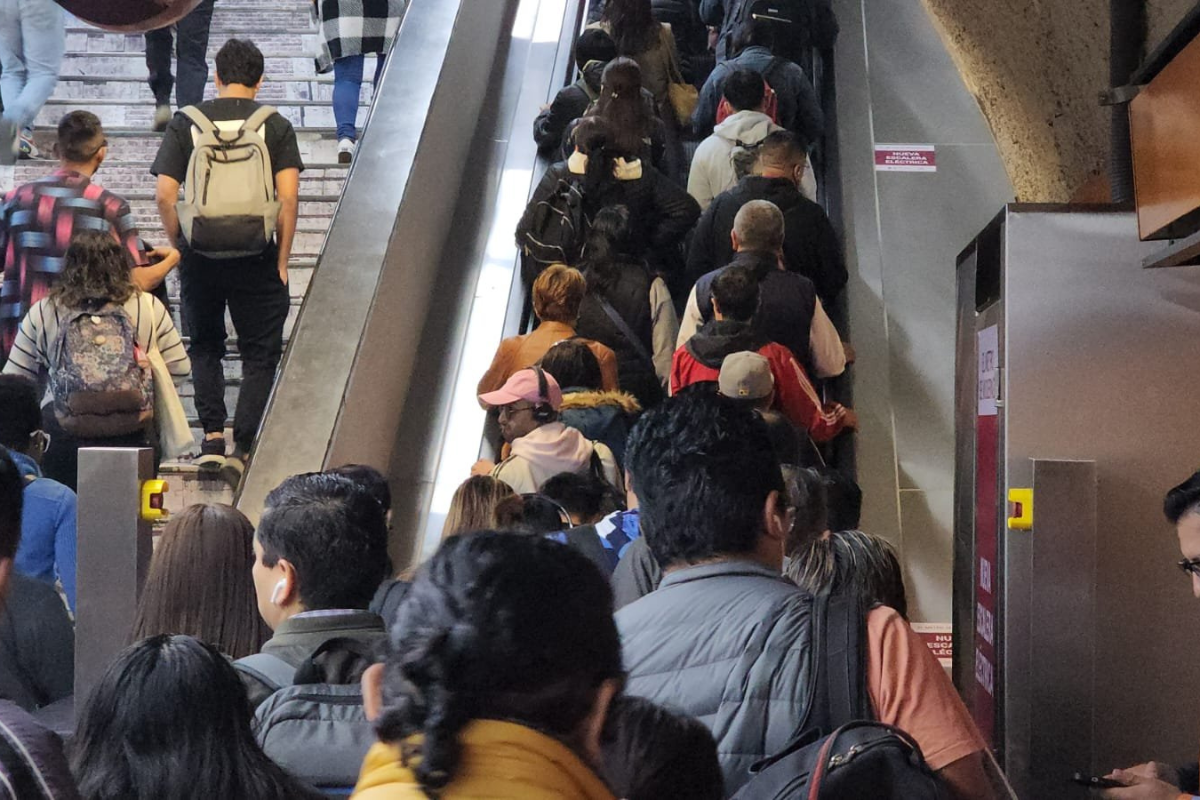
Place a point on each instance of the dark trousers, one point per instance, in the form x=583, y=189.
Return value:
x=258, y=307
x=191, y=48
x=61, y=461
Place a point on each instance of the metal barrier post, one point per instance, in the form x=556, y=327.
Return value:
x=113, y=555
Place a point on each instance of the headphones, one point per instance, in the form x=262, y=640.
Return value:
x=543, y=411
x=279, y=587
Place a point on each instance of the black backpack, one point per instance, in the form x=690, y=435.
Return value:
x=793, y=22
x=843, y=755
x=314, y=725
x=557, y=230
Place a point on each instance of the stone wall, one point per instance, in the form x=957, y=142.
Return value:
x=1036, y=69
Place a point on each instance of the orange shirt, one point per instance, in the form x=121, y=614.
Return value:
x=909, y=689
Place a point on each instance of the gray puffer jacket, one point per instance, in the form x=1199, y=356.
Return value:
x=727, y=643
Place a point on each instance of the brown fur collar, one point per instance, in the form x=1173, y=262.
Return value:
x=627, y=402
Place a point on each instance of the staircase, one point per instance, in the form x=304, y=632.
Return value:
x=105, y=73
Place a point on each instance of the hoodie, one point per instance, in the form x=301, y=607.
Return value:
x=549, y=450
x=713, y=164
x=699, y=361
x=499, y=761
x=601, y=416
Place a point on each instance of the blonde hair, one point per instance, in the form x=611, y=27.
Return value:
x=558, y=293
x=473, y=507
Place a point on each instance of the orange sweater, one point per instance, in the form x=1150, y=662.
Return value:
x=518, y=352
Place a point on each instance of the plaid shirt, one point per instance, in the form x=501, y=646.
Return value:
x=37, y=221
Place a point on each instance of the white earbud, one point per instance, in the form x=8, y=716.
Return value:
x=279, y=587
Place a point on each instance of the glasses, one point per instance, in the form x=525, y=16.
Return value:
x=510, y=410
x=1189, y=565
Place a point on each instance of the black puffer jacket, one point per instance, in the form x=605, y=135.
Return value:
x=660, y=212
x=810, y=245
x=630, y=298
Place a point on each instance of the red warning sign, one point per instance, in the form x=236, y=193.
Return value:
x=938, y=637
x=905, y=158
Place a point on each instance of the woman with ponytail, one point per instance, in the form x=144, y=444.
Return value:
x=660, y=212
x=504, y=659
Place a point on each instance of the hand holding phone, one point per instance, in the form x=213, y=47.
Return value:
x=1094, y=782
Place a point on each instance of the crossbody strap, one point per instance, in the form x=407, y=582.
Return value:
x=270, y=670
x=625, y=330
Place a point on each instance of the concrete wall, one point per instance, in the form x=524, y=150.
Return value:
x=1036, y=69
x=896, y=83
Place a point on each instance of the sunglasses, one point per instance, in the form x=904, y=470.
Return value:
x=1189, y=565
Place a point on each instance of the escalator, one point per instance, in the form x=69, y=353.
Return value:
x=418, y=281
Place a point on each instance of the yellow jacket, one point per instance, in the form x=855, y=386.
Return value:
x=500, y=761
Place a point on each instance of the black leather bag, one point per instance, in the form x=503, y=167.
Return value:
x=843, y=754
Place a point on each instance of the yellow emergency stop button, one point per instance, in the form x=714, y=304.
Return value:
x=1020, y=509
x=154, y=506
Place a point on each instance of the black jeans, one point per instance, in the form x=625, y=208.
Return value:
x=258, y=306
x=191, y=48
x=61, y=461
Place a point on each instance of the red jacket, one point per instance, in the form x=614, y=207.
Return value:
x=700, y=360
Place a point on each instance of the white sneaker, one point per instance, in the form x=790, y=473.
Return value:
x=345, y=150
x=162, y=117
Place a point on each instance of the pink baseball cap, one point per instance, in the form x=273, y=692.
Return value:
x=523, y=385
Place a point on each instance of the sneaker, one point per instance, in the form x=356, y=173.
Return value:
x=26, y=145
x=212, y=454
x=10, y=142
x=234, y=468
x=345, y=150
x=162, y=117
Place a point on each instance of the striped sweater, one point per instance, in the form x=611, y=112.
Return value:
x=30, y=355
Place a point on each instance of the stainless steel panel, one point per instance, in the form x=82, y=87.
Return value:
x=1100, y=365
x=1062, y=707
x=112, y=556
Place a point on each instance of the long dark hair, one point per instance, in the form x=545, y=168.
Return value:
x=478, y=637
x=622, y=105
x=200, y=582
x=170, y=718
x=607, y=249
x=632, y=24
x=95, y=272
x=594, y=138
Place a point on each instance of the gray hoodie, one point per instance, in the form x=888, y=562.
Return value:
x=713, y=169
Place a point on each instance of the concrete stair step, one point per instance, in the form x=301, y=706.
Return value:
x=312, y=207
x=294, y=61
x=302, y=40
x=124, y=177
x=137, y=89
x=140, y=114
x=189, y=486
x=317, y=145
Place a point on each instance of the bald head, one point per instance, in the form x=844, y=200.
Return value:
x=758, y=226
x=782, y=155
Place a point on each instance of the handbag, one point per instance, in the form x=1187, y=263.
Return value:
x=174, y=432
x=683, y=96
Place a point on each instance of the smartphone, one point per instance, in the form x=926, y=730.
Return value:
x=1093, y=782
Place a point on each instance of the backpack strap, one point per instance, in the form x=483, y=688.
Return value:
x=625, y=330
x=271, y=671
x=841, y=668
x=198, y=118
x=257, y=119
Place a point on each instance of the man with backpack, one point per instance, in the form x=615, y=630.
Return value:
x=799, y=109
x=320, y=555
x=728, y=640
x=240, y=166
x=728, y=155
x=798, y=26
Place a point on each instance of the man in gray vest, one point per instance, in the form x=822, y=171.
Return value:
x=728, y=640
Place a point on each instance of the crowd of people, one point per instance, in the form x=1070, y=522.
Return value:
x=632, y=599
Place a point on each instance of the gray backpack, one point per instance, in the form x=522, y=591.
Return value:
x=315, y=729
x=229, y=208
x=99, y=385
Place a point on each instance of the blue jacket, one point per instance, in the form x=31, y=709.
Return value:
x=797, y=103
x=47, y=549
